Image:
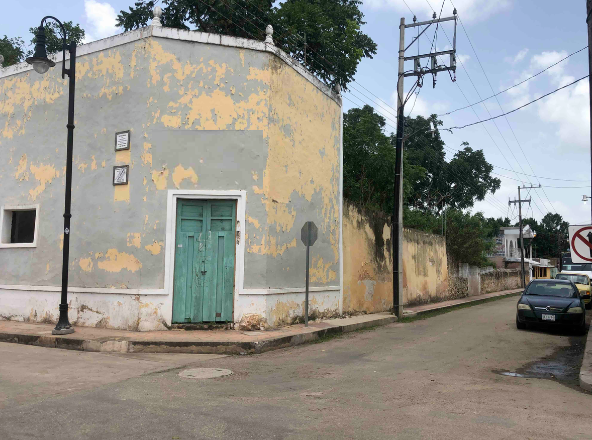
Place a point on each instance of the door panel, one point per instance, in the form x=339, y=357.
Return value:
x=204, y=261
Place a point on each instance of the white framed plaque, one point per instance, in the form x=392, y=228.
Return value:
x=122, y=140
x=120, y=174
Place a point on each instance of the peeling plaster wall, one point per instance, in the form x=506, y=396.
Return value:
x=368, y=265
x=128, y=312
x=201, y=116
x=425, y=267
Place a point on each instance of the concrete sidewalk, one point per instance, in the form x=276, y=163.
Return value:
x=207, y=341
x=420, y=310
x=182, y=341
x=586, y=368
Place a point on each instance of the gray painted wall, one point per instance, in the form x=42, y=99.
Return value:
x=205, y=107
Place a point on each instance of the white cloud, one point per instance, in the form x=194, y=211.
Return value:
x=569, y=110
x=545, y=59
x=518, y=57
x=102, y=18
x=419, y=106
x=462, y=58
x=468, y=10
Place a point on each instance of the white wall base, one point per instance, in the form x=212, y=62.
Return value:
x=148, y=310
x=282, y=308
x=113, y=310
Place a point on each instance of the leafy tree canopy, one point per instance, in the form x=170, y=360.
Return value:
x=457, y=183
x=552, y=234
x=467, y=235
x=12, y=49
x=53, y=35
x=335, y=41
x=431, y=183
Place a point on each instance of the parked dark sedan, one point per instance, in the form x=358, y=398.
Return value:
x=552, y=302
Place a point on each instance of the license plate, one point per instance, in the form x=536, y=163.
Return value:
x=548, y=317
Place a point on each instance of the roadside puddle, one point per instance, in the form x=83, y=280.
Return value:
x=562, y=366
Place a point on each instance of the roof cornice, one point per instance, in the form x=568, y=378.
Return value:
x=183, y=35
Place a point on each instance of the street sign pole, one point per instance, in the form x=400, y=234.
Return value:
x=308, y=235
x=307, y=278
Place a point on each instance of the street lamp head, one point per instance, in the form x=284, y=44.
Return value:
x=39, y=60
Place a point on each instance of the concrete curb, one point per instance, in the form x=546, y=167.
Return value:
x=129, y=345
x=586, y=368
x=411, y=313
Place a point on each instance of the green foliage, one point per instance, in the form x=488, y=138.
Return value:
x=431, y=184
x=493, y=225
x=228, y=17
x=457, y=183
x=335, y=42
x=551, y=236
x=369, y=160
x=12, y=49
x=467, y=236
x=53, y=35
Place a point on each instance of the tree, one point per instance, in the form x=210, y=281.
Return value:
x=456, y=184
x=369, y=160
x=12, y=49
x=53, y=35
x=335, y=42
x=466, y=238
x=551, y=235
x=229, y=17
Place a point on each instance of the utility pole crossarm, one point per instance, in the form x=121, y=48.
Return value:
x=519, y=202
x=397, y=220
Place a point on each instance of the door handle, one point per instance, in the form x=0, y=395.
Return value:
x=203, y=267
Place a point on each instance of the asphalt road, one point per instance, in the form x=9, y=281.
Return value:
x=465, y=374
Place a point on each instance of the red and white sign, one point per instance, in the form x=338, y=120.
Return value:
x=580, y=243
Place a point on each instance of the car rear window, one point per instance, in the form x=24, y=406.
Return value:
x=578, y=279
x=551, y=289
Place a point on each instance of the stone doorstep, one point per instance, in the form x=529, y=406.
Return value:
x=231, y=344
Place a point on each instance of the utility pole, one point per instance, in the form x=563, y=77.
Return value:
x=305, y=49
x=589, y=23
x=519, y=203
x=419, y=72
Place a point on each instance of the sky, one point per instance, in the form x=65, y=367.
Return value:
x=502, y=43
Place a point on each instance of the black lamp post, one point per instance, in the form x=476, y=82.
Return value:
x=41, y=64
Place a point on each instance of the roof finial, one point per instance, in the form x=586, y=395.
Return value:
x=156, y=14
x=269, y=33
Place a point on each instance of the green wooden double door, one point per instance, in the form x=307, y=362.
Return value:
x=204, y=261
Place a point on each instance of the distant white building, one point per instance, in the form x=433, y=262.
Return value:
x=507, y=250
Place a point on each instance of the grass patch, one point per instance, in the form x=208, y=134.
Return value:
x=432, y=313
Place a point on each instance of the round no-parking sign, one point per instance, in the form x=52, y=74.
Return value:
x=580, y=240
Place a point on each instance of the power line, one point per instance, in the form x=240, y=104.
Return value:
x=326, y=60
x=500, y=106
x=460, y=177
x=542, y=186
x=515, y=85
x=516, y=109
x=485, y=106
x=454, y=150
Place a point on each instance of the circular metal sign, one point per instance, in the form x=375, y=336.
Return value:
x=581, y=244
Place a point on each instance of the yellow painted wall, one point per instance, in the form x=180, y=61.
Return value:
x=367, y=264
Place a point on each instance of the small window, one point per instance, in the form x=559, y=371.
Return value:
x=19, y=226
